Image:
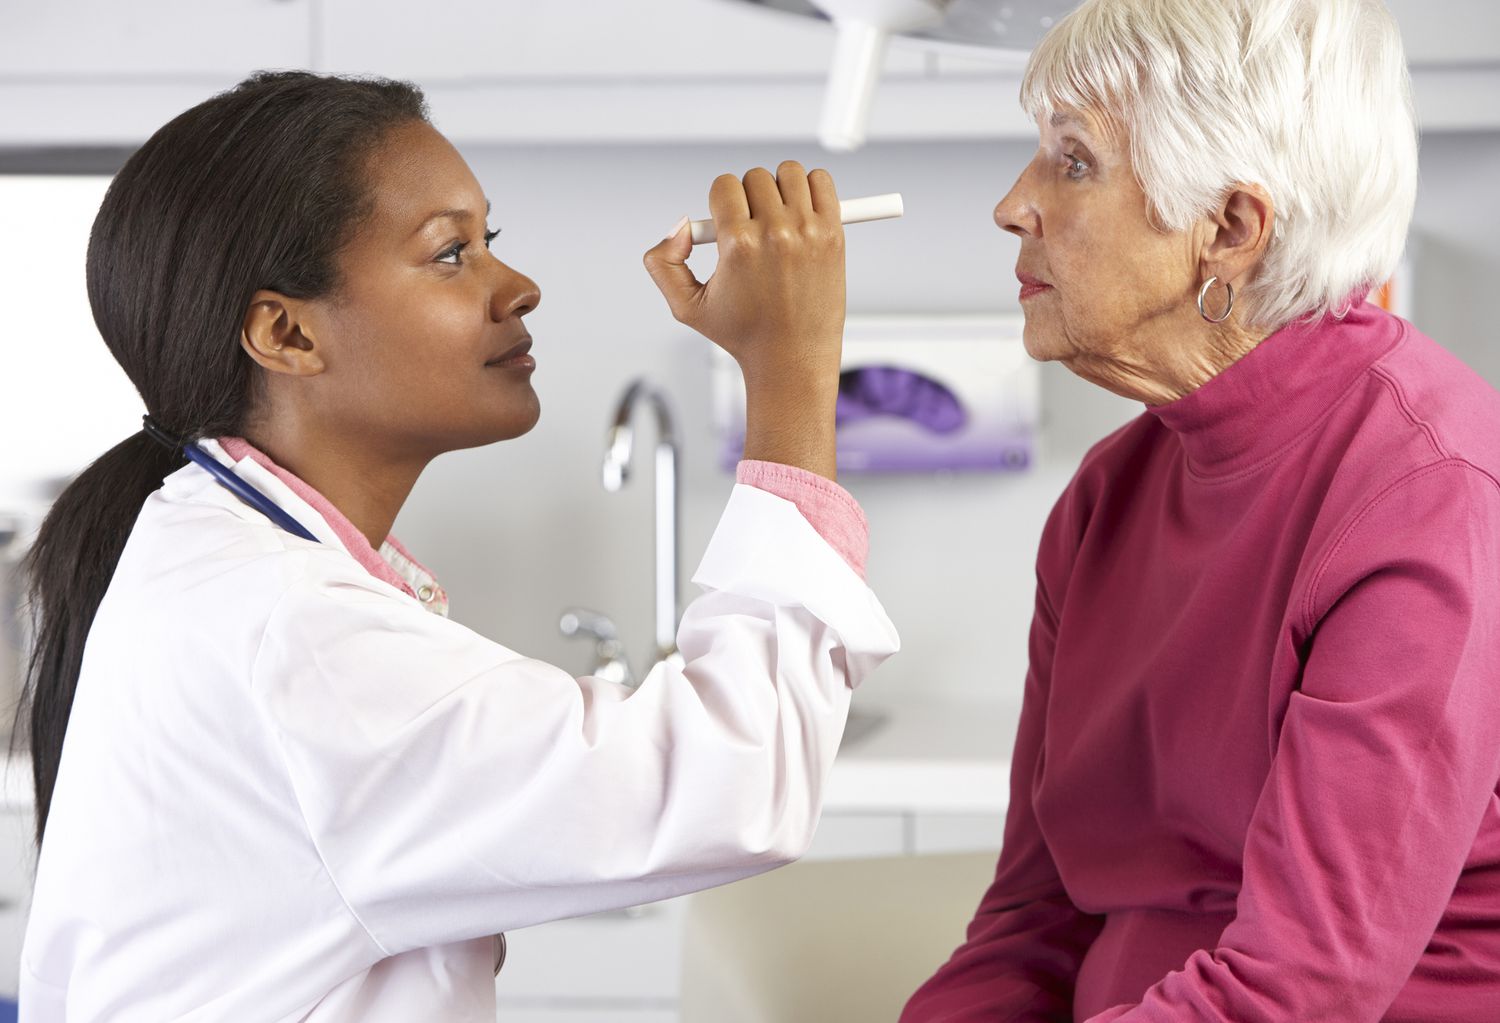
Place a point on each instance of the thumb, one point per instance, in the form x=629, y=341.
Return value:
x=666, y=262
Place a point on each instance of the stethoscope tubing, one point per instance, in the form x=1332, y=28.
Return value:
x=244, y=491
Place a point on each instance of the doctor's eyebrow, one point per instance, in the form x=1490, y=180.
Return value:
x=454, y=214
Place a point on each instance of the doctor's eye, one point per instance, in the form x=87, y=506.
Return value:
x=453, y=254
x=1076, y=168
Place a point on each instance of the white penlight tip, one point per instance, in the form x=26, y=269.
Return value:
x=851, y=211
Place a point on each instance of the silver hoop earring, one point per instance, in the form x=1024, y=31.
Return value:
x=1203, y=293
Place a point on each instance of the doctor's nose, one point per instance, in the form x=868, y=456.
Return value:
x=515, y=294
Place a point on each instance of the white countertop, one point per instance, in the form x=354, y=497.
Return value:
x=930, y=756
x=941, y=755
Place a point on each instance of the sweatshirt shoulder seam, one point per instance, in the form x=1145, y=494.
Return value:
x=1420, y=472
x=1398, y=395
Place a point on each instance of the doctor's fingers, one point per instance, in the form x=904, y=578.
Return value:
x=792, y=183
x=825, y=198
x=666, y=262
x=727, y=203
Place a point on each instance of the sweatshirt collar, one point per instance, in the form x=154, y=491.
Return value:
x=1249, y=414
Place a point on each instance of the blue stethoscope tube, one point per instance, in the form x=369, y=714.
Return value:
x=229, y=480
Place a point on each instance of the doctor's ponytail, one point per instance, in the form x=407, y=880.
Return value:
x=258, y=187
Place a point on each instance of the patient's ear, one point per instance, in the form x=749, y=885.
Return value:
x=1244, y=223
x=277, y=336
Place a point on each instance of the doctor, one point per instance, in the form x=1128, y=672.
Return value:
x=274, y=781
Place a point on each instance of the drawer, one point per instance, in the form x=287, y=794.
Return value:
x=626, y=955
x=958, y=832
x=12, y=931
x=607, y=1012
x=844, y=836
x=635, y=955
x=17, y=856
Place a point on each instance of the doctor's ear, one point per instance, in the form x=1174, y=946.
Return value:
x=275, y=334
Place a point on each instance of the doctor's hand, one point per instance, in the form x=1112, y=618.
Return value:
x=775, y=303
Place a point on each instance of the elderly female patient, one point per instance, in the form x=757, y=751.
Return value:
x=1255, y=774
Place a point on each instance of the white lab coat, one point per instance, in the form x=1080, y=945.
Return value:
x=289, y=792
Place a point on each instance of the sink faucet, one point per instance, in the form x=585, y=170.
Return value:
x=609, y=654
x=617, y=473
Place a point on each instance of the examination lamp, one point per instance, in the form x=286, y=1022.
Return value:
x=1002, y=31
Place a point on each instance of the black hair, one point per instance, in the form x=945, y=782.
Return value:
x=258, y=187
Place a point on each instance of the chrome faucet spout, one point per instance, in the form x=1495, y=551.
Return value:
x=616, y=473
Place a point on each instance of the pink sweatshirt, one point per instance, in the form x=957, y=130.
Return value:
x=1255, y=777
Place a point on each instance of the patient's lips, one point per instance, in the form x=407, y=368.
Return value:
x=1031, y=285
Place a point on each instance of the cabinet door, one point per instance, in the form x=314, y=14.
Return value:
x=225, y=39
x=843, y=836
x=1454, y=32
x=444, y=40
x=633, y=956
x=17, y=850
x=627, y=956
x=958, y=832
x=606, y=1012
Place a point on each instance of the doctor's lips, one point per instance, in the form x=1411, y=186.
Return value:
x=1031, y=285
x=517, y=357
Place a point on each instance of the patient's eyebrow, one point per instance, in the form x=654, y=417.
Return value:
x=1061, y=119
x=1086, y=134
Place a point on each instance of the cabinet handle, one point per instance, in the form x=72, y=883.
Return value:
x=628, y=913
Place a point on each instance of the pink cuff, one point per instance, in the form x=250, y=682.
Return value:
x=828, y=507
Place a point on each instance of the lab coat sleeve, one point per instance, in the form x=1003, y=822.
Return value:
x=455, y=788
x=1388, y=757
x=1025, y=944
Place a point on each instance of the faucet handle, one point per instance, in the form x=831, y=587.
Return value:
x=609, y=652
x=579, y=620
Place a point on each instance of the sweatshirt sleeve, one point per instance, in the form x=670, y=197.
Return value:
x=1388, y=757
x=1023, y=948
x=454, y=787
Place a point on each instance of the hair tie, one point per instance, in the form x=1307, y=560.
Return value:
x=158, y=433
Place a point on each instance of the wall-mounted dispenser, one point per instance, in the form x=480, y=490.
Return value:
x=918, y=393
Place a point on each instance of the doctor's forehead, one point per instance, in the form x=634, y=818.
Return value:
x=417, y=179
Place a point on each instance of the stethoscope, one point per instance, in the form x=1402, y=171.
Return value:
x=271, y=510
x=229, y=480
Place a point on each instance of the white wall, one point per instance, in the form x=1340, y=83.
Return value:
x=520, y=530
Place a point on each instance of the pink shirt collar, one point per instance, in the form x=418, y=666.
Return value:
x=392, y=564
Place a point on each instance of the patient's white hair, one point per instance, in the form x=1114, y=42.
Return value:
x=1308, y=98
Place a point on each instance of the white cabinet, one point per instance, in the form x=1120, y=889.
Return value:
x=627, y=966
x=843, y=836
x=957, y=832
x=17, y=865
x=623, y=959
x=447, y=40
x=1452, y=32
x=631, y=960
x=152, y=38
x=564, y=1014
x=108, y=73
